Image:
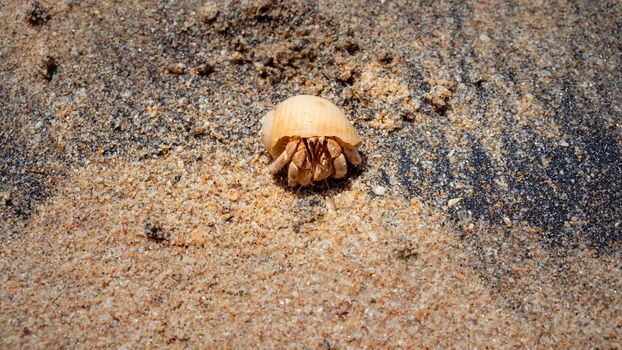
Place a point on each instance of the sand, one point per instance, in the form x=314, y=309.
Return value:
x=136, y=209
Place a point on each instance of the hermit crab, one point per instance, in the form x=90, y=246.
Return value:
x=311, y=134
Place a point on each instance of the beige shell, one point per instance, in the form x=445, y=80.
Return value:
x=305, y=116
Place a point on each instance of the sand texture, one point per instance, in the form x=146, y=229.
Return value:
x=136, y=209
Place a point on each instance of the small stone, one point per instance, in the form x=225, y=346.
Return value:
x=236, y=57
x=198, y=131
x=372, y=236
x=5, y=198
x=507, y=221
x=379, y=190
x=563, y=143
x=469, y=228
x=453, y=202
x=209, y=12
x=205, y=69
x=439, y=95
x=483, y=37
x=176, y=69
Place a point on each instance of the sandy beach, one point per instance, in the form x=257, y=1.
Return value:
x=137, y=211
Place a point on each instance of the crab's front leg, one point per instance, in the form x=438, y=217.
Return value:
x=300, y=169
x=285, y=157
x=341, y=168
x=338, y=159
x=322, y=162
x=292, y=175
x=323, y=168
x=297, y=176
x=352, y=154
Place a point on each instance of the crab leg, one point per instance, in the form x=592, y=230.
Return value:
x=300, y=169
x=341, y=168
x=292, y=175
x=284, y=158
x=322, y=160
x=352, y=154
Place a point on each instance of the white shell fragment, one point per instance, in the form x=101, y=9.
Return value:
x=379, y=190
x=305, y=116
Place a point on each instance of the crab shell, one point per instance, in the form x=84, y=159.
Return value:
x=305, y=116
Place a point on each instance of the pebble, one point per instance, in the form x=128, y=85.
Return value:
x=453, y=202
x=507, y=221
x=372, y=236
x=379, y=190
x=205, y=69
x=176, y=69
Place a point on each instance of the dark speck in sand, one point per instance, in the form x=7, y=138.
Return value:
x=155, y=231
x=37, y=14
